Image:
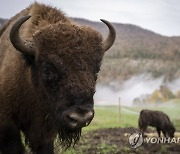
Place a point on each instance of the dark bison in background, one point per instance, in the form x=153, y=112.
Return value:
x=156, y=119
x=48, y=72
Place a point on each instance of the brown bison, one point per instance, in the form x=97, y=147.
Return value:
x=156, y=119
x=48, y=72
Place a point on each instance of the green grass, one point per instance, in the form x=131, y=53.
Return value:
x=109, y=117
x=107, y=149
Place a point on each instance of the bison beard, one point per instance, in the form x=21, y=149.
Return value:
x=68, y=137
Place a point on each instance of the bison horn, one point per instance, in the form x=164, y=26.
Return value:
x=111, y=37
x=25, y=47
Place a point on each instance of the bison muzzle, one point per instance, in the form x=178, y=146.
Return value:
x=48, y=72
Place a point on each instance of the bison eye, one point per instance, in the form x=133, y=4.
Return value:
x=47, y=74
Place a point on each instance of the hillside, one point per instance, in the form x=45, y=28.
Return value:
x=2, y=21
x=137, y=50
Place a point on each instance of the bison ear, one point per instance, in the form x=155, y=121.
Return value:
x=26, y=47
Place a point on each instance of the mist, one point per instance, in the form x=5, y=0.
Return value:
x=134, y=87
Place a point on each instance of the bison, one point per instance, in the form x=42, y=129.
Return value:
x=48, y=73
x=156, y=119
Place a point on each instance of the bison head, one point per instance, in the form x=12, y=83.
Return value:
x=64, y=59
x=170, y=129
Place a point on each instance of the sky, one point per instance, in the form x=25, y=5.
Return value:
x=160, y=16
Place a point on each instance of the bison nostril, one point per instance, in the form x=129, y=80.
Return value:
x=89, y=115
x=71, y=120
x=75, y=120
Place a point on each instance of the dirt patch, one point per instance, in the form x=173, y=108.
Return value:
x=115, y=141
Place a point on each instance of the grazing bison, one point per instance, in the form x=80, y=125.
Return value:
x=48, y=72
x=156, y=119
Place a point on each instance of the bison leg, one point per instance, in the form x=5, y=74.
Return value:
x=159, y=131
x=10, y=141
x=47, y=148
x=164, y=132
x=143, y=130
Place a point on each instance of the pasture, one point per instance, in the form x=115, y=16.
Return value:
x=109, y=130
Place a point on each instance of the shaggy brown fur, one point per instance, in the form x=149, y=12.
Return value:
x=156, y=119
x=31, y=103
